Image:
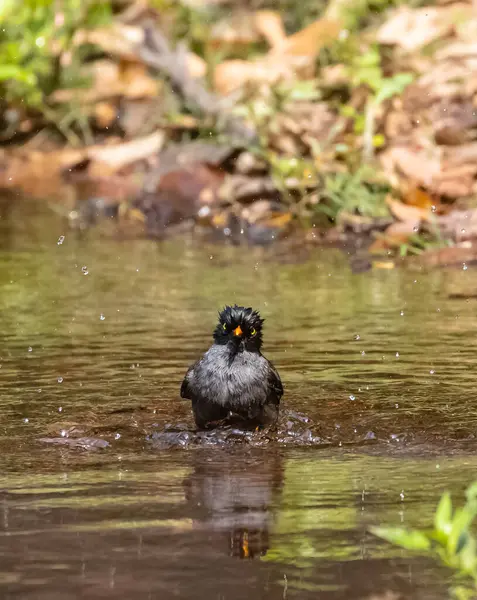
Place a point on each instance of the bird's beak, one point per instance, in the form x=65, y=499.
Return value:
x=238, y=331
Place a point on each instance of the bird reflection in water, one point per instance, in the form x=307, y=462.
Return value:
x=237, y=495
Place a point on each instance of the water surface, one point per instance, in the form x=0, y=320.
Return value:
x=97, y=333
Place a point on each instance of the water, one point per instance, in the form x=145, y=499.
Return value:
x=97, y=333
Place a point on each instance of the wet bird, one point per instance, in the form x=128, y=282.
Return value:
x=233, y=381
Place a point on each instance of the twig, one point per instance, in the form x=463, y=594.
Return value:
x=368, y=134
x=157, y=54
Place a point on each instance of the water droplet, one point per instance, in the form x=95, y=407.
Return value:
x=402, y=313
x=462, y=230
x=432, y=371
x=415, y=228
x=60, y=379
x=396, y=405
x=25, y=420
x=363, y=353
x=211, y=256
x=352, y=397
x=60, y=409
x=85, y=270
x=464, y=267
x=117, y=436
x=401, y=495
x=357, y=337
x=101, y=317
x=30, y=349
x=241, y=231
x=397, y=354
x=63, y=433
x=61, y=239
x=433, y=208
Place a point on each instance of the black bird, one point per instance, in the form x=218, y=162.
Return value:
x=233, y=380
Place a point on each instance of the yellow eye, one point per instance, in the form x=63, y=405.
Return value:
x=224, y=327
x=253, y=331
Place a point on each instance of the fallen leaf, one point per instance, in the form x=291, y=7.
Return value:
x=279, y=221
x=395, y=235
x=292, y=59
x=270, y=24
x=180, y=195
x=418, y=198
x=310, y=40
x=196, y=65
x=384, y=264
x=444, y=257
x=118, y=156
x=412, y=29
x=117, y=39
x=135, y=80
x=110, y=79
x=105, y=114
x=420, y=165
x=407, y=214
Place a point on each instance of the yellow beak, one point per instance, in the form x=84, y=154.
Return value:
x=238, y=331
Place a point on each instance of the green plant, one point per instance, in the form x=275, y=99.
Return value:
x=35, y=35
x=450, y=540
x=366, y=70
x=353, y=193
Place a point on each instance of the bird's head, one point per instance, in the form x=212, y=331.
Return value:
x=239, y=327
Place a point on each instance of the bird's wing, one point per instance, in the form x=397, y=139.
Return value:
x=275, y=384
x=185, y=387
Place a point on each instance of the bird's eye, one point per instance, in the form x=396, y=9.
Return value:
x=224, y=326
x=253, y=331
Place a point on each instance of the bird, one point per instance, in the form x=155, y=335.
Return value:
x=233, y=382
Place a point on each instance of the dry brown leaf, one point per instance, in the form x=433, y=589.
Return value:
x=395, y=235
x=136, y=82
x=196, y=65
x=118, y=156
x=118, y=39
x=442, y=257
x=234, y=33
x=109, y=80
x=406, y=213
x=278, y=221
x=421, y=165
x=269, y=23
x=105, y=114
x=310, y=40
x=383, y=264
x=418, y=198
x=291, y=59
x=412, y=29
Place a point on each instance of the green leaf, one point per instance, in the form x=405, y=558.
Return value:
x=16, y=73
x=468, y=557
x=461, y=522
x=409, y=539
x=443, y=516
x=379, y=140
x=471, y=492
x=6, y=8
x=392, y=86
